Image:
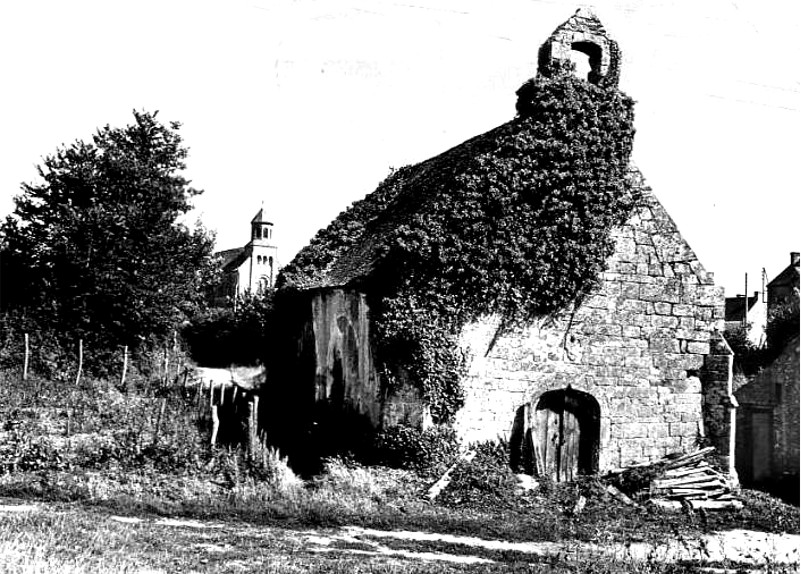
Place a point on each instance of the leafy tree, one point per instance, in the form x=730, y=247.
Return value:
x=97, y=249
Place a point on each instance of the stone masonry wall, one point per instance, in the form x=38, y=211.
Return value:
x=637, y=345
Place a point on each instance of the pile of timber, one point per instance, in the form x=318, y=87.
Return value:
x=689, y=480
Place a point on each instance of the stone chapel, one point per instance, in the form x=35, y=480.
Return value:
x=636, y=370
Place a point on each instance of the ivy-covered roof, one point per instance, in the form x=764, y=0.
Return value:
x=483, y=175
x=346, y=250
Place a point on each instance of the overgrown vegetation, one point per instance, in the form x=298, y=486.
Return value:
x=514, y=222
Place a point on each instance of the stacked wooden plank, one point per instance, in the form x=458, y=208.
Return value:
x=687, y=479
x=692, y=479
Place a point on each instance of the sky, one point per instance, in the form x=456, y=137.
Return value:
x=303, y=106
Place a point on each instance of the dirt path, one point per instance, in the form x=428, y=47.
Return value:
x=240, y=543
x=738, y=546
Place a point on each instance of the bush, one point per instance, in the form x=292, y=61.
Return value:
x=485, y=482
x=426, y=452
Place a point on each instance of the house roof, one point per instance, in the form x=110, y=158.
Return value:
x=353, y=252
x=350, y=247
x=735, y=306
x=231, y=259
x=789, y=276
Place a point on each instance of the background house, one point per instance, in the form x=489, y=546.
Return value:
x=767, y=444
x=749, y=314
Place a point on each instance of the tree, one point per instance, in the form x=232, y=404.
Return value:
x=96, y=249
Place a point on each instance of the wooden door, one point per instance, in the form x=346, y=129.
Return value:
x=761, y=444
x=564, y=436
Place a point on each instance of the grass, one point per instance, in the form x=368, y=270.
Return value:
x=66, y=538
x=117, y=457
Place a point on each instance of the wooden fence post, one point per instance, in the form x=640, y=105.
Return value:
x=158, y=420
x=80, y=362
x=124, y=365
x=175, y=354
x=211, y=392
x=215, y=419
x=253, y=425
x=199, y=393
x=166, y=366
x=27, y=355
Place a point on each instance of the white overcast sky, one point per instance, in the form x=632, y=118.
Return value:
x=305, y=105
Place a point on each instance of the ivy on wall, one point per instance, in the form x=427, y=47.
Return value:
x=516, y=222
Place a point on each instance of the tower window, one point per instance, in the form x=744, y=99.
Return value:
x=586, y=56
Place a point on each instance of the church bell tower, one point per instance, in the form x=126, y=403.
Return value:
x=263, y=254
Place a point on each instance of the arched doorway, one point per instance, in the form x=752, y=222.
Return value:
x=565, y=434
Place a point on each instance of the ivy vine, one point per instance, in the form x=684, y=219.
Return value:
x=514, y=222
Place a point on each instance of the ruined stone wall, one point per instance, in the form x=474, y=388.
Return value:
x=637, y=345
x=345, y=373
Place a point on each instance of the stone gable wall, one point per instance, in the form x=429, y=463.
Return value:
x=637, y=345
x=644, y=345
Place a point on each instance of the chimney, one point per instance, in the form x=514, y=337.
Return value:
x=794, y=258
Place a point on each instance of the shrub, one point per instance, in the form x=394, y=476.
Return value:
x=426, y=452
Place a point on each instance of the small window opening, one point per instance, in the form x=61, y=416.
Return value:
x=586, y=56
x=777, y=390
